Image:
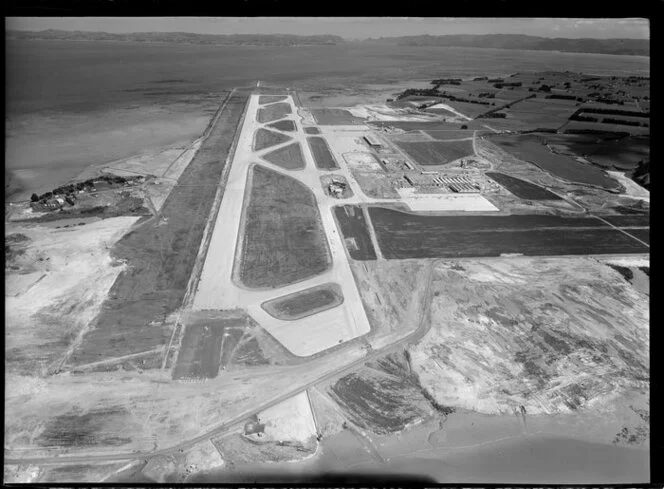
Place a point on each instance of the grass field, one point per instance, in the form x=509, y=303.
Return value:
x=312, y=130
x=285, y=125
x=447, y=134
x=322, y=154
x=354, y=229
x=283, y=237
x=335, y=117
x=161, y=253
x=305, y=302
x=289, y=157
x=435, y=153
x=522, y=188
x=401, y=235
x=541, y=113
x=273, y=112
x=531, y=148
x=268, y=99
x=265, y=139
x=417, y=126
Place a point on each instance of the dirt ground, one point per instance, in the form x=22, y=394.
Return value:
x=385, y=396
x=394, y=294
x=553, y=335
x=283, y=433
x=61, y=279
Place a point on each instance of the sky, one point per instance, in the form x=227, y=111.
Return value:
x=349, y=27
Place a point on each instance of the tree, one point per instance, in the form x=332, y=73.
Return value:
x=34, y=198
x=464, y=126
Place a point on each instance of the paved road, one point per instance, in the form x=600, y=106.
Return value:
x=422, y=328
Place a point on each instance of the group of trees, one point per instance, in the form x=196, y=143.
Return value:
x=69, y=190
x=629, y=113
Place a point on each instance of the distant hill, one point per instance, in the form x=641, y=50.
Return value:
x=639, y=47
x=179, y=37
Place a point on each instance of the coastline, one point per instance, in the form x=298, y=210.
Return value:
x=49, y=151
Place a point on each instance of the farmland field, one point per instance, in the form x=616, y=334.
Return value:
x=283, y=240
x=268, y=99
x=160, y=254
x=444, y=135
x=624, y=153
x=626, y=221
x=542, y=113
x=273, y=112
x=641, y=233
x=354, y=230
x=305, y=302
x=285, y=125
x=401, y=235
x=265, y=139
x=531, y=148
x=335, y=117
x=312, y=130
x=522, y=188
x=289, y=157
x=322, y=155
x=437, y=152
x=597, y=126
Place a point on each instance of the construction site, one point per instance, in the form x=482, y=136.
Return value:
x=349, y=280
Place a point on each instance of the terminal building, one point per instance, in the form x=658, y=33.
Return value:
x=460, y=184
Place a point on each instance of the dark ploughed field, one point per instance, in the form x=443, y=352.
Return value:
x=401, y=235
x=641, y=233
x=322, y=155
x=627, y=221
x=522, y=188
x=354, y=230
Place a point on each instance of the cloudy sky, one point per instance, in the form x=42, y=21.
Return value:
x=350, y=28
